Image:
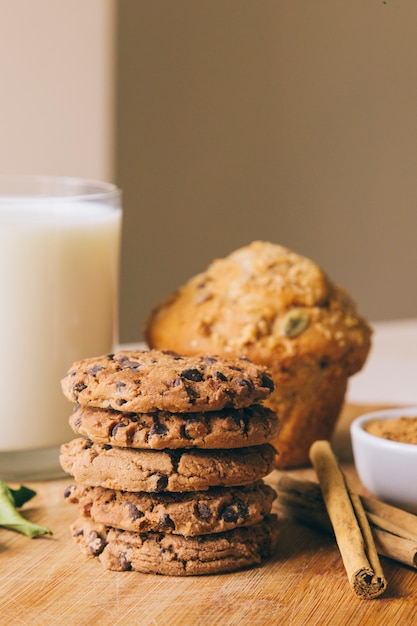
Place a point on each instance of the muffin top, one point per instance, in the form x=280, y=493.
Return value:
x=265, y=302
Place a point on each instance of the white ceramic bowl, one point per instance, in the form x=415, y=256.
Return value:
x=388, y=469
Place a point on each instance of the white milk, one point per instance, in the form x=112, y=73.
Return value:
x=58, y=290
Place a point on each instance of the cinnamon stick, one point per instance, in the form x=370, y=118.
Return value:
x=350, y=524
x=394, y=530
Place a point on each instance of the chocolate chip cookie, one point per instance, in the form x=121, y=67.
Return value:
x=153, y=380
x=175, y=555
x=197, y=513
x=129, y=469
x=229, y=428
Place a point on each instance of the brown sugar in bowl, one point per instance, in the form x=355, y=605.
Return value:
x=386, y=467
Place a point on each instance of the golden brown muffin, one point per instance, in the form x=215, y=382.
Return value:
x=278, y=309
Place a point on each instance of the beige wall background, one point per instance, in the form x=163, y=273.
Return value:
x=57, y=64
x=226, y=121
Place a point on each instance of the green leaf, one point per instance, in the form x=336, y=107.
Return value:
x=21, y=495
x=10, y=518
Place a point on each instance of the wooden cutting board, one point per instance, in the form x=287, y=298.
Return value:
x=47, y=580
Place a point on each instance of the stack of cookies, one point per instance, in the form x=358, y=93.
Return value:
x=170, y=461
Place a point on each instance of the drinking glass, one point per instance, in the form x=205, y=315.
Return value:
x=59, y=270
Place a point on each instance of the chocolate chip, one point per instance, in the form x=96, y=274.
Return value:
x=268, y=382
x=115, y=428
x=125, y=565
x=134, y=512
x=324, y=363
x=95, y=369
x=95, y=543
x=192, y=374
x=202, y=511
x=192, y=394
x=221, y=376
x=165, y=522
x=243, y=509
x=232, y=512
x=127, y=363
x=229, y=514
x=161, y=482
x=121, y=401
x=119, y=385
x=157, y=429
x=243, y=382
x=78, y=422
x=68, y=491
x=79, y=387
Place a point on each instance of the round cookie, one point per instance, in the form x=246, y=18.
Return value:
x=197, y=513
x=230, y=428
x=129, y=469
x=175, y=555
x=153, y=380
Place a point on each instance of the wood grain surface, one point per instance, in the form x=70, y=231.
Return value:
x=47, y=581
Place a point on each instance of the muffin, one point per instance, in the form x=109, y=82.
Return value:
x=281, y=310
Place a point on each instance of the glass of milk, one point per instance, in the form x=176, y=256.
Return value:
x=59, y=265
